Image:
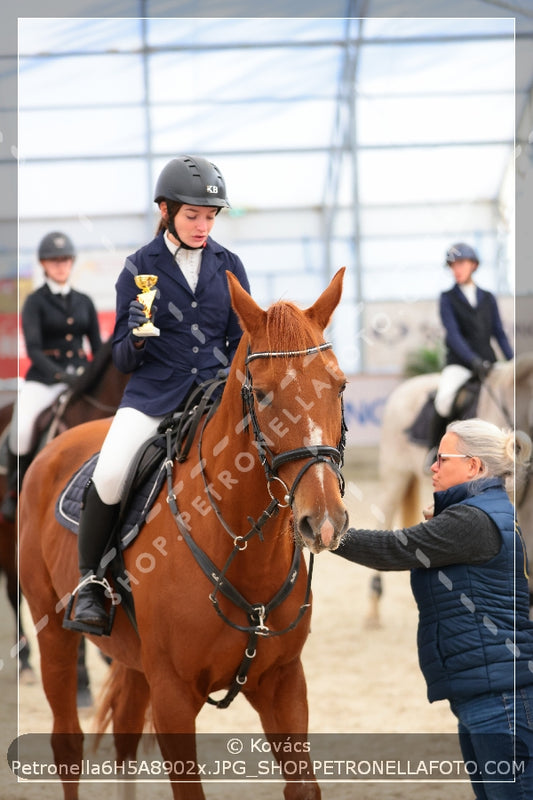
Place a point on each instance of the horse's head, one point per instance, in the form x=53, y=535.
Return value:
x=292, y=391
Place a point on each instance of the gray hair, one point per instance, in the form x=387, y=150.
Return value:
x=504, y=453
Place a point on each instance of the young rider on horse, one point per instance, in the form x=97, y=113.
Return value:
x=199, y=334
x=470, y=318
x=55, y=321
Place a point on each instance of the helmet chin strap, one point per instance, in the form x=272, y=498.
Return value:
x=187, y=246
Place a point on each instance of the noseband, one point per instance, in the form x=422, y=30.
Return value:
x=315, y=454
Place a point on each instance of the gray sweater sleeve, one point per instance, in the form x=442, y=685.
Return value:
x=459, y=535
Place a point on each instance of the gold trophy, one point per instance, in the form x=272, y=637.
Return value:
x=146, y=298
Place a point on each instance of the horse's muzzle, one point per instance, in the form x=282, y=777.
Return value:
x=323, y=534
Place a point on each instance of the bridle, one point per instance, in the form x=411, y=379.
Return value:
x=316, y=454
x=256, y=613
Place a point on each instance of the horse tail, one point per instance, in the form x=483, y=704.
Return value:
x=123, y=702
x=410, y=508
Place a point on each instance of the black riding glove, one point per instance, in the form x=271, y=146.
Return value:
x=136, y=316
x=481, y=368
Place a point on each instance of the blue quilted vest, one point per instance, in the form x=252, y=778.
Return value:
x=474, y=626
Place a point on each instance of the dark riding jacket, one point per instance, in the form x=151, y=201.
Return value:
x=199, y=330
x=468, y=577
x=54, y=327
x=474, y=633
x=469, y=329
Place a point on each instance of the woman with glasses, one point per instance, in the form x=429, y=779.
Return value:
x=469, y=579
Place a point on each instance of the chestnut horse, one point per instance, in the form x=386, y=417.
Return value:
x=261, y=481
x=405, y=488
x=96, y=394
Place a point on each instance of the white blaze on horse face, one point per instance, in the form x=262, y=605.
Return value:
x=290, y=375
x=315, y=439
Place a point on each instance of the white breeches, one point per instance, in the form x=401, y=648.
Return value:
x=452, y=378
x=33, y=398
x=129, y=429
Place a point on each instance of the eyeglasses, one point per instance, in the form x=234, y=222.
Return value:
x=440, y=457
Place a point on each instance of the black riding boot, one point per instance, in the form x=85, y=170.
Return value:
x=16, y=469
x=437, y=429
x=96, y=524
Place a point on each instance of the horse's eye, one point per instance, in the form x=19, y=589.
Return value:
x=341, y=390
x=263, y=398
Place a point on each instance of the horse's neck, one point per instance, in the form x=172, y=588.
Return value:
x=236, y=480
x=496, y=399
x=100, y=398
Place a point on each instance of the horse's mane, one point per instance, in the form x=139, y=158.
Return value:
x=94, y=371
x=288, y=329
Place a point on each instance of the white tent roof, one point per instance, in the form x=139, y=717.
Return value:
x=373, y=141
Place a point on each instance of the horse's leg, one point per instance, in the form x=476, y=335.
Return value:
x=394, y=493
x=281, y=702
x=124, y=701
x=129, y=714
x=59, y=656
x=175, y=708
x=27, y=674
x=373, y=617
x=8, y=561
x=85, y=698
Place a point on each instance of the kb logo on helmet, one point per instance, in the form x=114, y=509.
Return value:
x=212, y=189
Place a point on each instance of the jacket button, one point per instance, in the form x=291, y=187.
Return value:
x=195, y=349
x=194, y=370
x=69, y=354
x=70, y=320
x=69, y=337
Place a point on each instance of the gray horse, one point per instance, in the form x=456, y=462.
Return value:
x=506, y=399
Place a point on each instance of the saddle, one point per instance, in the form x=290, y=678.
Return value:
x=144, y=482
x=464, y=407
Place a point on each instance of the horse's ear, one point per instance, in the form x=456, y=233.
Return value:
x=322, y=310
x=251, y=316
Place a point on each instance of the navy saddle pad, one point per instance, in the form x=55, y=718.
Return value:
x=133, y=516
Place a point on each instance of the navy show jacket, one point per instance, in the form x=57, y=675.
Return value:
x=469, y=329
x=199, y=330
x=54, y=328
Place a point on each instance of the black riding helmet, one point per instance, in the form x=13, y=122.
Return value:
x=192, y=180
x=56, y=245
x=460, y=252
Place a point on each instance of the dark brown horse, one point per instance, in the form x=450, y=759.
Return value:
x=96, y=394
x=261, y=481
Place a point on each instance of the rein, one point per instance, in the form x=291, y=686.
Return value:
x=109, y=409
x=500, y=405
x=256, y=613
x=63, y=402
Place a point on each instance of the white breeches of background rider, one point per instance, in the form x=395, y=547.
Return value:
x=129, y=429
x=33, y=398
x=452, y=378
